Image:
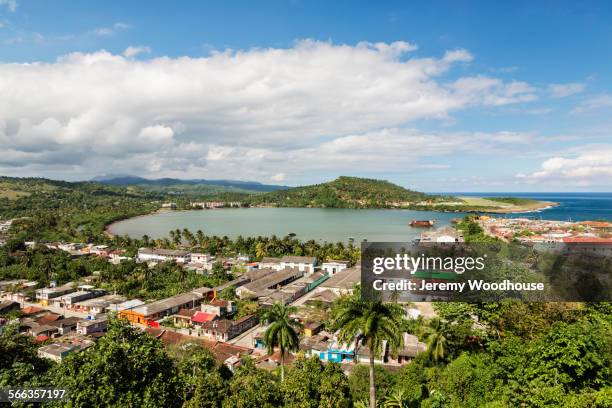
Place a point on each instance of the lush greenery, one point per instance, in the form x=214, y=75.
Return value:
x=519, y=354
x=344, y=192
x=282, y=332
x=512, y=200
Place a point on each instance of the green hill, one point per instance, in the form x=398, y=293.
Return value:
x=344, y=192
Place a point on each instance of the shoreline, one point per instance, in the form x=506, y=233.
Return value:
x=541, y=206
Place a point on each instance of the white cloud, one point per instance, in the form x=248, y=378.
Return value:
x=107, y=31
x=590, y=165
x=248, y=113
x=563, y=90
x=131, y=51
x=594, y=103
x=10, y=4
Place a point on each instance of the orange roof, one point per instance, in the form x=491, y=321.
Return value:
x=596, y=224
x=31, y=310
x=48, y=318
x=588, y=240
x=41, y=338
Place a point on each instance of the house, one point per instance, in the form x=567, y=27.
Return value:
x=7, y=306
x=219, y=307
x=98, y=305
x=304, y=264
x=45, y=295
x=151, y=312
x=197, y=257
x=169, y=205
x=37, y=330
x=56, y=351
x=312, y=328
x=342, y=282
x=70, y=300
x=98, y=325
x=225, y=330
x=260, y=273
x=270, y=263
x=412, y=347
x=199, y=318
x=67, y=325
x=325, y=297
x=442, y=235
x=183, y=317
x=128, y=304
x=331, y=267
x=162, y=255
x=259, y=287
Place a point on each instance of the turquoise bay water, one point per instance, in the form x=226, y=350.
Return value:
x=320, y=224
x=333, y=225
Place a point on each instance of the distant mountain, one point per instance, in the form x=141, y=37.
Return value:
x=344, y=192
x=190, y=184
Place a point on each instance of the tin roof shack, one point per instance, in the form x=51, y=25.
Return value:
x=7, y=306
x=45, y=295
x=56, y=351
x=99, y=325
x=225, y=330
x=128, y=304
x=150, y=312
x=259, y=287
x=412, y=347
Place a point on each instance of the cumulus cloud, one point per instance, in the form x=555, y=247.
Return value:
x=590, y=165
x=131, y=51
x=242, y=113
x=563, y=90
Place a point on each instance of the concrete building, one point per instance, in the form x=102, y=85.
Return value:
x=162, y=255
x=331, y=267
x=304, y=264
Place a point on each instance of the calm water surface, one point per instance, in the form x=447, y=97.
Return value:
x=341, y=224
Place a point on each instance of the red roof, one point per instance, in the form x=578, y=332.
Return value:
x=596, y=224
x=31, y=310
x=48, y=318
x=41, y=338
x=202, y=317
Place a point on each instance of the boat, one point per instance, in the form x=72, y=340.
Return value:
x=422, y=223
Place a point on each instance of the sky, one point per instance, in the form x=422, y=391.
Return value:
x=434, y=96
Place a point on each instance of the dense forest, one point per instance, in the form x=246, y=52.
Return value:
x=343, y=192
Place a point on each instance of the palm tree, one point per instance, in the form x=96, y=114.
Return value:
x=282, y=332
x=200, y=237
x=435, y=340
x=369, y=323
x=396, y=400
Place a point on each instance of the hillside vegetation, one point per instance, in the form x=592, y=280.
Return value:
x=344, y=192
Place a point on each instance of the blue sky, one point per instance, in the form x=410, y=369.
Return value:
x=443, y=96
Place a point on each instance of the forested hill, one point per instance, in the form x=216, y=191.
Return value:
x=343, y=192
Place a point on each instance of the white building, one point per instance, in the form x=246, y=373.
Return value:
x=304, y=264
x=161, y=255
x=332, y=267
x=442, y=235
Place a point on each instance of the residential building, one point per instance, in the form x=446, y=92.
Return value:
x=259, y=287
x=56, y=351
x=66, y=325
x=331, y=267
x=342, y=282
x=219, y=307
x=270, y=263
x=128, y=304
x=151, y=312
x=98, y=325
x=98, y=305
x=225, y=330
x=45, y=295
x=304, y=264
x=162, y=255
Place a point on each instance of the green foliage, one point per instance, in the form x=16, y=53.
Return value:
x=359, y=382
x=125, y=368
x=344, y=192
x=512, y=200
x=282, y=331
x=252, y=388
x=19, y=363
x=310, y=384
